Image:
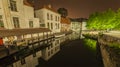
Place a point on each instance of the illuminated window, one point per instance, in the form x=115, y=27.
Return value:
x=13, y=5
x=1, y=21
x=31, y=24
x=16, y=22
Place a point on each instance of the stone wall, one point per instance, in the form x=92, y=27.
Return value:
x=110, y=50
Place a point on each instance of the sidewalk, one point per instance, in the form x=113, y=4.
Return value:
x=114, y=34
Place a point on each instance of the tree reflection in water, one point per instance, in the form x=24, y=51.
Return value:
x=90, y=44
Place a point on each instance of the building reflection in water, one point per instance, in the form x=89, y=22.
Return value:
x=28, y=61
x=51, y=50
x=30, y=57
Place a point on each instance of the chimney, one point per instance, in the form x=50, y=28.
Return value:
x=49, y=6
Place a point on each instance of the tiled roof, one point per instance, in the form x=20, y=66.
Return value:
x=15, y=32
x=25, y=2
x=65, y=20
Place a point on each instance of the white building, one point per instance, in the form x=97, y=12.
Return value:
x=49, y=18
x=17, y=14
x=84, y=23
x=78, y=24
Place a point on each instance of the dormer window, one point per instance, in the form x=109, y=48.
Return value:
x=13, y=5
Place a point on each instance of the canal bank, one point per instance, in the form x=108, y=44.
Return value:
x=73, y=54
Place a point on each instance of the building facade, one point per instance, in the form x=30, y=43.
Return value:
x=49, y=18
x=17, y=22
x=65, y=24
x=17, y=14
x=78, y=24
x=75, y=26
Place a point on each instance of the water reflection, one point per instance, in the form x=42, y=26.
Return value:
x=91, y=44
x=51, y=50
x=29, y=57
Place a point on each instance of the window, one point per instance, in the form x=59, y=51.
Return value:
x=47, y=16
x=55, y=18
x=51, y=26
x=34, y=54
x=13, y=5
x=58, y=18
x=51, y=17
x=49, y=53
x=31, y=24
x=23, y=61
x=48, y=47
x=1, y=21
x=16, y=22
x=48, y=25
x=52, y=46
x=56, y=25
x=42, y=25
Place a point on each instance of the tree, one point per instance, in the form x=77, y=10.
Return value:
x=108, y=19
x=63, y=12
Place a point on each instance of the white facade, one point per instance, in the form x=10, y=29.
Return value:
x=75, y=26
x=49, y=19
x=84, y=25
x=17, y=15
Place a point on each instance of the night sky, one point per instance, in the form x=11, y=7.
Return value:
x=80, y=8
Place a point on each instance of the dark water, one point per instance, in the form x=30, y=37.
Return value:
x=68, y=51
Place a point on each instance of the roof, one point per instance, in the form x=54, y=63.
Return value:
x=16, y=32
x=25, y=2
x=48, y=7
x=78, y=19
x=65, y=20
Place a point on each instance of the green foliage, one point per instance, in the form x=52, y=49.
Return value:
x=108, y=19
x=63, y=12
x=115, y=45
x=91, y=44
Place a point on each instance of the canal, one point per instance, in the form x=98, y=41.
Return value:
x=67, y=51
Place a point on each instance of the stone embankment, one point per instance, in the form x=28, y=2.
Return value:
x=109, y=43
